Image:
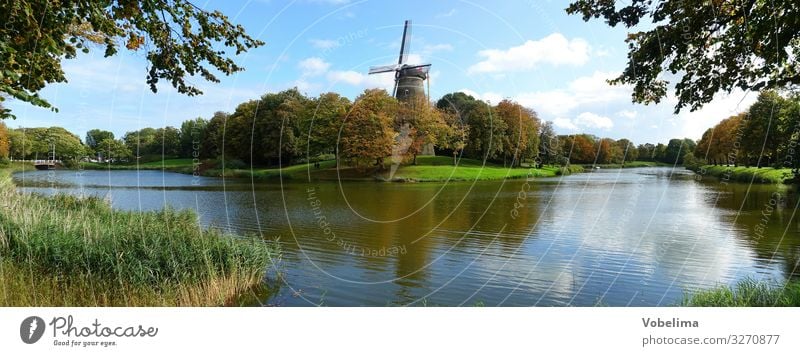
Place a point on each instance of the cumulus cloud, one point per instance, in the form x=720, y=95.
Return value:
x=628, y=114
x=349, y=77
x=588, y=90
x=324, y=44
x=584, y=120
x=313, y=66
x=554, y=49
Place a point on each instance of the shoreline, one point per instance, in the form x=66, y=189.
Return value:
x=764, y=175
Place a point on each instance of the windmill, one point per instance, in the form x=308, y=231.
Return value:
x=408, y=78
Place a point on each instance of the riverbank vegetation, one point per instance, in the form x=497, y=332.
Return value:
x=747, y=293
x=70, y=251
x=330, y=137
x=759, y=144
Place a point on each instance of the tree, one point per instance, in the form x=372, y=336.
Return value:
x=142, y=142
x=181, y=40
x=486, y=130
x=549, y=147
x=676, y=149
x=627, y=150
x=4, y=142
x=46, y=143
x=214, y=135
x=455, y=134
x=95, y=136
x=367, y=133
x=113, y=150
x=168, y=142
x=520, y=139
x=712, y=46
x=192, y=137
x=319, y=131
x=647, y=152
x=762, y=127
x=422, y=123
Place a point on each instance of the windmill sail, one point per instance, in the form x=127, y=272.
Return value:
x=405, y=45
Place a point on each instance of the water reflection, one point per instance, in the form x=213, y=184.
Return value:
x=615, y=237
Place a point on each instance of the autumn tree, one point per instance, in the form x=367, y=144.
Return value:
x=627, y=151
x=4, y=142
x=710, y=46
x=367, y=131
x=421, y=123
x=179, y=40
x=486, y=130
x=521, y=137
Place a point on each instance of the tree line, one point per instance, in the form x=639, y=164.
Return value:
x=288, y=127
x=765, y=135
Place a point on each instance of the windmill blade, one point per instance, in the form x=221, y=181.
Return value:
x=424, y=68
x=405, y=45
x=383, y=69
x=394, y=90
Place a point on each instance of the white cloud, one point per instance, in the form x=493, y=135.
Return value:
x=324, y=44
x=592, y=120
x=628, y=114
x=584, y=120
x=693, y=124
x=383, y=80
x=447, y=14
x=565, y=124
x=441, y=47
x=588, y=90
x=554, y=49
x=313, y=66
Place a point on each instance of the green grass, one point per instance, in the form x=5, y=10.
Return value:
x=427, y=169
x=633, y=164
x=174, y=163
x=69, y=251
x=745, y=174
x=747, y=293
x=437, y=168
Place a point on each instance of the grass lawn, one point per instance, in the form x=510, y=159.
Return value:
x=745, y=174
x=427, y=169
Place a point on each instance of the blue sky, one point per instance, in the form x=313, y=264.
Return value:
x=528, y=51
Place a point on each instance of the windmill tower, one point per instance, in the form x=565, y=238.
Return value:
x=408, y=78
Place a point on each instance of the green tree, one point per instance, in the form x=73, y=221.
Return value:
x=142, y=142
x=168, y=142
x=180, y=40
x=762, y=138
x=192, y=134
x=627, y=150
x=213, y=136
x=113, y=150
x=94, y=136
x=549, y=147
x=319, y=129
x=712, y=46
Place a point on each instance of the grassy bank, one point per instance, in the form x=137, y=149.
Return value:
x=746, y=174
x=747, y=293
x=68, y=251
x=427, y=169
x=633, y=164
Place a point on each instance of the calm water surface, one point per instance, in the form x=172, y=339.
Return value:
x=638, y=237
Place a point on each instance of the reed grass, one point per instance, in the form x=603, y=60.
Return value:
x=70, y=251
x=747, y=293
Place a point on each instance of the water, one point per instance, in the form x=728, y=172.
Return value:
x=638, y=237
